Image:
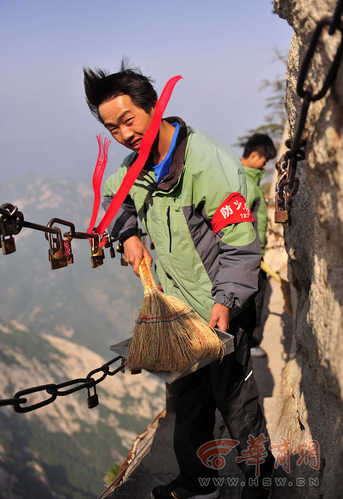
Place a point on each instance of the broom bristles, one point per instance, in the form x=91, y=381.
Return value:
x=168, y=335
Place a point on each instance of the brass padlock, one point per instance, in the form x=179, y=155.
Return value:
x=281, y=216
x=98, y=254
x=7, y=245
x=57, y=258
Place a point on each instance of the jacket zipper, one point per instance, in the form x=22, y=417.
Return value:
x=168, y=223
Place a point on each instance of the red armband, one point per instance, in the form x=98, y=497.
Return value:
x=232, y=211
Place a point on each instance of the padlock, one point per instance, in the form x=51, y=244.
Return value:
x=98, y=254
x=109, y=244
x=68, y=251
x=92, y=400
x=281, y=216
x=7, y=245
x=57, y=258
x=63, y=243
x=120, y=249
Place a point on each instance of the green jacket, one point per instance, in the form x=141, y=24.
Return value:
x=193, y=263
x=256, y=202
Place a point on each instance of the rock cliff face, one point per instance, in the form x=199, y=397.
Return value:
x=312, y=387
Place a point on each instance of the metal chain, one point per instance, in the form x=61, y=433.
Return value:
x=55, y=391
x=287, y=184
x=11, y=223
x=60, y=250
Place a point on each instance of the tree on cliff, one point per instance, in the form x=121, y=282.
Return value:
x=275, y=120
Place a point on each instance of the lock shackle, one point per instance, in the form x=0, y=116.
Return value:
x=56, y=229
x=61, y=222
x=95, y=244
x=8, y=209
x=52, y=241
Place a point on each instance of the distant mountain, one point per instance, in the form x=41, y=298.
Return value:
x=63, y=450
x=92, y=307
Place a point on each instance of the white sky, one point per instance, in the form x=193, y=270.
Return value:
x=222, y=48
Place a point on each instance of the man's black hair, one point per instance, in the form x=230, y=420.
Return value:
x=261, y=143
x=101, y=87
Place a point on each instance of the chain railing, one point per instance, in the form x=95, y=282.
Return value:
x=62, y=389
x=287, y=184
x=60, y=245
x=60, y=256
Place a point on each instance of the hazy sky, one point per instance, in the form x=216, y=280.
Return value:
x=222, y=48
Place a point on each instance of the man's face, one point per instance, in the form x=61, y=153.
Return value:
x=126, y=122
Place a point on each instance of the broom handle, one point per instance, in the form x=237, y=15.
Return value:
x=146, y=276
x=271, y=272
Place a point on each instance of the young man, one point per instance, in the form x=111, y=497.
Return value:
x=258, y=150
x=189, y=198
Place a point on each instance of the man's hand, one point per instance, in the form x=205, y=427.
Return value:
x=219, y=317
x=134, y=252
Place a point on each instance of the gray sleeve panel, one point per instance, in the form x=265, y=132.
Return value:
x=125, y=219
x=254, y=210
x=233, y=270
x=237, y=279
x=203, y=238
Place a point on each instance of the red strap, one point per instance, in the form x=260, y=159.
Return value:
x=97, y=177
x=232, y=211
x=135, y=169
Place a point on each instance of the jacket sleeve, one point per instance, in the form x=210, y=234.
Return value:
x=239, y=265
x=238, y=251
x=124, y=224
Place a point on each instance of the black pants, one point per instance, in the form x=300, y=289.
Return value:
x=229, y=386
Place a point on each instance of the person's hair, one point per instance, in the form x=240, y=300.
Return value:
x=261, y=143
x=101, y=87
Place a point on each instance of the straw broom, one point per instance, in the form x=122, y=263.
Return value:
x=168, y=335
x=285, y=287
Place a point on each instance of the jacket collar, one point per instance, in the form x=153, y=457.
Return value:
x=255, y=174
x=177, y=161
